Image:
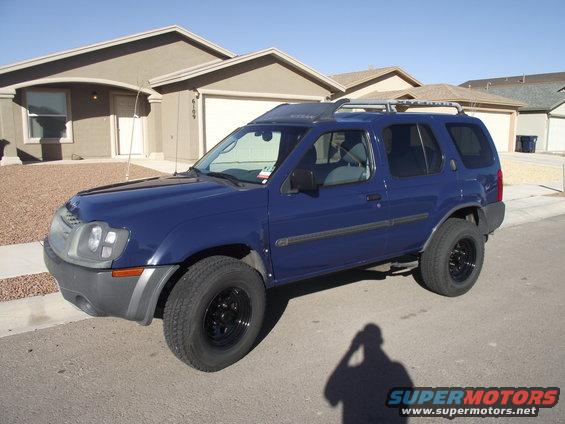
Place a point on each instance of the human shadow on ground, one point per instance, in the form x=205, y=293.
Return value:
x=362, y=389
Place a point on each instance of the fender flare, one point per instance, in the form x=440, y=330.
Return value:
x=482, y=224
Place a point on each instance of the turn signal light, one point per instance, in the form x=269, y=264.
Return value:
x=127, y=272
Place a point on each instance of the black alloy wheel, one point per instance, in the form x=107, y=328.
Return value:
x=462, y=260
x=227, y=317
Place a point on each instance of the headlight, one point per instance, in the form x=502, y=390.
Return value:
x=90, y=244
x=96, y=244
x=94, y=238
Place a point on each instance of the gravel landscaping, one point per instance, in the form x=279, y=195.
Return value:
x=516, y=172
x=27, y=285
x=31, y=193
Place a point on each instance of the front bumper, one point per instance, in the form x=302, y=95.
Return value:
x=97, y=293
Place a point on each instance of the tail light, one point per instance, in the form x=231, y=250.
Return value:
x=499, y=186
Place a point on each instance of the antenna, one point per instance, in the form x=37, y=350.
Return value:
x=135, y=116
x=177, y=136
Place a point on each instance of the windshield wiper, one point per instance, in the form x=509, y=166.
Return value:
x=224, y=176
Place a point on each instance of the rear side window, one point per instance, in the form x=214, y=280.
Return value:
x=412, y=150
x=472, y=145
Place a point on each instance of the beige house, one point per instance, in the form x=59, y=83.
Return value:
x=169, y=93
x=544, y=112
x=498, y=113
x=155, y=94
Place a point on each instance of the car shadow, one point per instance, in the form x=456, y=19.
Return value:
x=278, y=297
x=362, y=388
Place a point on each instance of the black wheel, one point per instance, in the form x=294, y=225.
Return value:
x=214, y=313
x=452, y=262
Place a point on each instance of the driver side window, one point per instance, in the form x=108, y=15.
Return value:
x=339, y=157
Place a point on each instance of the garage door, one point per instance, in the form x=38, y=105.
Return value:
x=556, y=134
x=222, y=115
x=498, y=125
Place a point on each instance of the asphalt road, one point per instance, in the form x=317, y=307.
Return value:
x=508, y=331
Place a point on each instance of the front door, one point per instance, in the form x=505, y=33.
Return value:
x=344, y=222
x=129, y=128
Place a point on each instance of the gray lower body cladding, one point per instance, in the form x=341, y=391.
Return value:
x=99, y=294
x=494, y=213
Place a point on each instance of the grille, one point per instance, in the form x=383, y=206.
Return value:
x=70, y=219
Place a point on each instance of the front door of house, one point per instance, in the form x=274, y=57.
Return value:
x=129, y=128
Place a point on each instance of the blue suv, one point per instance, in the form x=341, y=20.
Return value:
x=304, y=190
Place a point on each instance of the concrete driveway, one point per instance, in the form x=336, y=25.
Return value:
x=330, y=351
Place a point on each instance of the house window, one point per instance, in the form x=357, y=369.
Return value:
x=48, y=117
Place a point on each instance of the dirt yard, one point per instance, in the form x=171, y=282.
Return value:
x=516, y=172
x=31, y=193
x=27, y=285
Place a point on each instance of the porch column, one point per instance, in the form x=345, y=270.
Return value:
x=155, y=128
x=8, y=129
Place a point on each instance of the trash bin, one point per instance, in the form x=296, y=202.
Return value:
x=528, y=143
x=518, y=143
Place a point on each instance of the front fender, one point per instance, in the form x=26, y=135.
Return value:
x=247, y=227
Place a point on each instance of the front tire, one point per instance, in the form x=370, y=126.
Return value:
x=214, y=313
x=451, y=264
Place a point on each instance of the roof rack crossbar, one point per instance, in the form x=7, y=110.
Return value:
x=390, y=105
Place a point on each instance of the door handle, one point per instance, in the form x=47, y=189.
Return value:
x=373, y=197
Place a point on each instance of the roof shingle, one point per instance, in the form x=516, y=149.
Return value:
x=445, y=92
x=542, y=97
x=516, y=79
x=352, y=79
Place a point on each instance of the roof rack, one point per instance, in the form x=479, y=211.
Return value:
x=325, y=111
x=390, y=105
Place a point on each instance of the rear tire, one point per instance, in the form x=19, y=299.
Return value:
x=452, y=262
x=214, y=313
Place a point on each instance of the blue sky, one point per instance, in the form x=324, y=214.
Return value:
x=435, y=41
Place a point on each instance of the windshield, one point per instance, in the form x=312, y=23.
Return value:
x=252, y=153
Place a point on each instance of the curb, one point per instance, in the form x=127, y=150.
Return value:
x=532, y=209
x=21, y=259
x=37, y=312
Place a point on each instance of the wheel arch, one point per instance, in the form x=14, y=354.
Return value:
x=240, y=251
x=471, y=212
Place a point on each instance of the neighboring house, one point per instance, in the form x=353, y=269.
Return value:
x=498, y=113
x=360, y=83
x=544, y=113
x=192, y=93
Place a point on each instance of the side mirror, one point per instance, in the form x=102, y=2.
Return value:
x=303, y=180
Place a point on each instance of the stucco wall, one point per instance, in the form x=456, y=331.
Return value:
x=131, y=63
x=559, y=111
x=91, y=126
x=533, y=124
x=178, y=122
x=263, y=76
x=385, y=83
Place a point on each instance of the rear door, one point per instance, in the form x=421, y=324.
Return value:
x=341, y=224
x=420, y=182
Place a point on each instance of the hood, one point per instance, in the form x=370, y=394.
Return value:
x=153, y=208
x=120, y=204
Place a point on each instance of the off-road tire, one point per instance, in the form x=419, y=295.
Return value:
x=435, y=260
x=189, y=301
